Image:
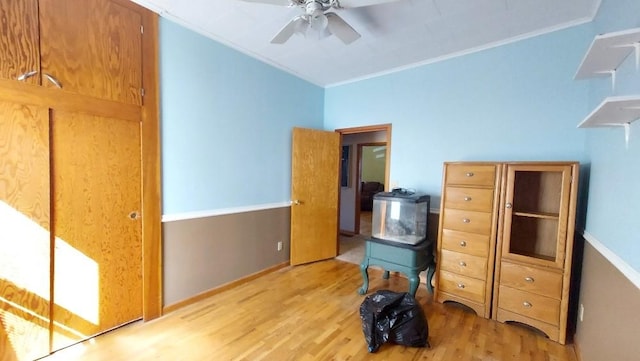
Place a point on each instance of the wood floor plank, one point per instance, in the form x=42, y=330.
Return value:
x=309, y=312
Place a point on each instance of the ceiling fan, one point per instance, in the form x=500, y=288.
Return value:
x=318, y=19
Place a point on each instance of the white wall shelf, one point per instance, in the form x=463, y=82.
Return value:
x=614, y=111
x=607, y=52
x=617, y=111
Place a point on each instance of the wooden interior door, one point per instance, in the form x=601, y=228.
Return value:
x=97, y=225
x=24, y=231
x=92, y=47
x=315, y=184
x=19, y=49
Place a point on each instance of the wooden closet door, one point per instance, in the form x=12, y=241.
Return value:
x=19, y=49
x=93, y=47
x=24, y=231
x=97, y=224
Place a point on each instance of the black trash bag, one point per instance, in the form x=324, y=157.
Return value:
x=393, y=317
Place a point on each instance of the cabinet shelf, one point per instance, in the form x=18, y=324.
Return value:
x=530, y=255
x=537, y=215
x=607, y=52
x=613, y=111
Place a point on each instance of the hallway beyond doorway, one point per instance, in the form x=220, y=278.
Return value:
x=352, y=247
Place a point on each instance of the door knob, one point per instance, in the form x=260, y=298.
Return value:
x=296, y=202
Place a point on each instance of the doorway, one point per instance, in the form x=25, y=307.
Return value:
x=371, y=163
x=366, y=151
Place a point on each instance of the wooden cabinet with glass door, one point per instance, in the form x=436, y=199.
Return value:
x=535, y=243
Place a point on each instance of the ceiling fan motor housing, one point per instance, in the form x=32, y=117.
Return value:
x=315, y=6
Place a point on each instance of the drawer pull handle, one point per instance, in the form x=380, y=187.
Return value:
x=27, y=75
x=529, y=279
x=467, y=199
x=463, y=264
x=509, y=205
x=460, y=285
x=469, y=174
x=466, y=220
x=527, y=304
x=463, y=243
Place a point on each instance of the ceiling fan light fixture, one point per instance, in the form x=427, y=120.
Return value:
x=318, y=21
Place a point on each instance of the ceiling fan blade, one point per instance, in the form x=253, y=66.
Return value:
x=271, y=2
x=287, y=31
x=343, y=31
x=361, y=3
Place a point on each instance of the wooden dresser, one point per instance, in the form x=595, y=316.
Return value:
x=505, y=241
x=467, y=234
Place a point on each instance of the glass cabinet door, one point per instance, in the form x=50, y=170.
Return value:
x=535, y=209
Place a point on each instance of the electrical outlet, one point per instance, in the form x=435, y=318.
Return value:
x=581, y=312
x=280, y=246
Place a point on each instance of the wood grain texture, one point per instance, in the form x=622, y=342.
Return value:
x=19, y=48
x=310, y=312
x=467, y=229
x=561, y=241
x=98, y=253
x=92, y=47
x=222, y=288
x=315, y=168
x=117, y=95
x=24, y=231
x=151, y=189
x=64, y=100
x=547, y=237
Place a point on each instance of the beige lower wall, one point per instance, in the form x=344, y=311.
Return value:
x=610, y=329
x=204, y=253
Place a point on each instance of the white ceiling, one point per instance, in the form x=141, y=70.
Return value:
x=395, y=35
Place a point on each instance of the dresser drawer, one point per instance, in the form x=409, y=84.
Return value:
x=471, y=174
x=464, y=264
x=467, y=221
x=473, y=199
x=465, y=287
x=531, y=279
x=470, y=243
x=528, y=304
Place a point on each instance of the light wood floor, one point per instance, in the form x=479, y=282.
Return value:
x=309, y=312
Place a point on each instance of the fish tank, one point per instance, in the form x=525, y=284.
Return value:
x=400, y=216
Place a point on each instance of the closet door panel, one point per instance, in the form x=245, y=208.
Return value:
x=19, y=49
x=97, y=223
x=92, y=47
x=24, y=231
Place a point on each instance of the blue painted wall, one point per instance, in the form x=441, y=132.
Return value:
x=514, y=102
x=227, y=119
x=614, y=185
x=226, y=123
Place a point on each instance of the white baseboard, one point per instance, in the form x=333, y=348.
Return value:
x=632, y=274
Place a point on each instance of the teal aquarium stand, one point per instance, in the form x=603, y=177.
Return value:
x=399, y=257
